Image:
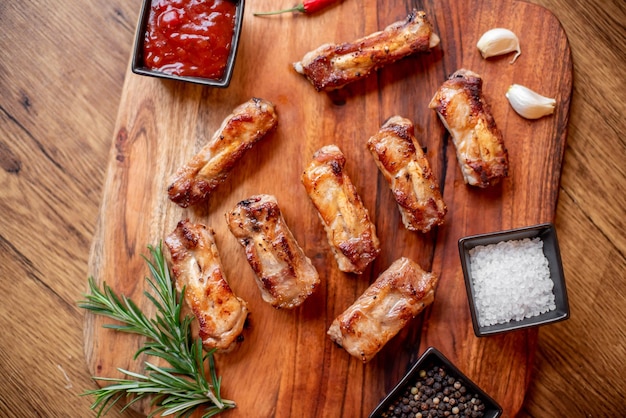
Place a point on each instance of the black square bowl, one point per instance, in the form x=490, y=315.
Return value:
x=434, y=358
x=138, y=64
x=547, y=233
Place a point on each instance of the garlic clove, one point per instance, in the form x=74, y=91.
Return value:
x=529, y=104
x=499, y=41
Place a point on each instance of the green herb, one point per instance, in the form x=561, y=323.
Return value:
x=177, y=390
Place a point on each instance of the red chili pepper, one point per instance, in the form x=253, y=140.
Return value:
x=307, y=6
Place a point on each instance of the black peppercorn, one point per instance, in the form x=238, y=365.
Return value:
x=436, y=394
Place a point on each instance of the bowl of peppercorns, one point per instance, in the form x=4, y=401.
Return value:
x=434, y=387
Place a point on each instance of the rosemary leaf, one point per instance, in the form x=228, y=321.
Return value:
x=178, y=390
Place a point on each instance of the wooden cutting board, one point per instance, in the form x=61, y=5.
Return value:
x=287, y=366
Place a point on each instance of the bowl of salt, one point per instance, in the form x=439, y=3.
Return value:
x=514, y=279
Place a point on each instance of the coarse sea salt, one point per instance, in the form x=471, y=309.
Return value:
x=511, y=281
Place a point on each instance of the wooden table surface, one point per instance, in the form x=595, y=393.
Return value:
x=62, y=69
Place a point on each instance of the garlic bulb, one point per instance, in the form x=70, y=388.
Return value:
x=498, y=41
x=528, y=103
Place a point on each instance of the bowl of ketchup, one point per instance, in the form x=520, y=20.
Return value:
x=188, y=40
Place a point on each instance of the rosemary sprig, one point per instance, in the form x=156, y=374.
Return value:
x=177, y=390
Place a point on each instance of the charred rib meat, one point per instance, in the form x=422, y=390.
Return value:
x=399, y=294
x=284, y=274
x=480, y=149
x=332, y=66
x=402, y=162
x=351, y=234
x=197, y=267
x=194, y=181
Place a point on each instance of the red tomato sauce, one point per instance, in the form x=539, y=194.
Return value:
x=189, y=37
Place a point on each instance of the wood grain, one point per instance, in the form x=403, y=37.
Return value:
x=62, y=71
x=287, y=363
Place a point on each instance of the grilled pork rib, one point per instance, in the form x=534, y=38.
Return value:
x=284, y=274
x=194, y=181
x=402, y=162
x=480, y=149
x=399, y=294
x=332, y=66
x=197, y=267
x=351, y=234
